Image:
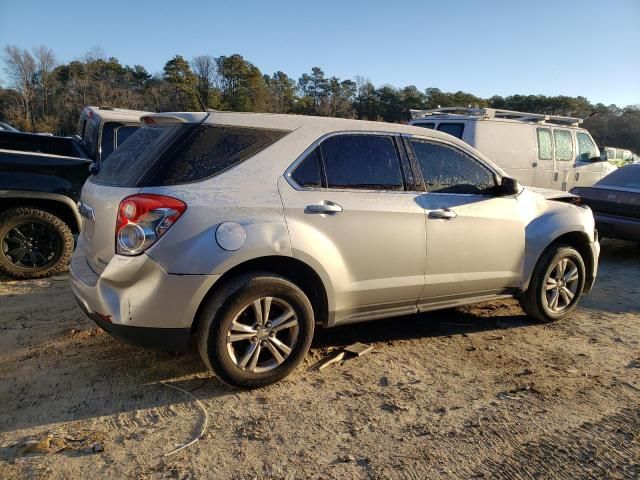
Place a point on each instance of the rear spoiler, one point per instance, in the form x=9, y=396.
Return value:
x=186, y=117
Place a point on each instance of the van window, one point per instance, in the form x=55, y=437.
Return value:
x=455, y=129
x=448, y=170
x=563, y=144
x=368, y=162
x=586, y=148
x=430, y=125
x=545, y=149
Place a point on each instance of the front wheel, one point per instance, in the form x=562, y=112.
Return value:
x=556, y=284
x=33, y=243
x=255, y=330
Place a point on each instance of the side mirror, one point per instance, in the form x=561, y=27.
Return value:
x=94, y=168
x=509, y=186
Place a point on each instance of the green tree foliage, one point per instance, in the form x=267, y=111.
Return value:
x=46, y=96
x=181, y=83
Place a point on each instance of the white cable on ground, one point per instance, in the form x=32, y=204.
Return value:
x=204, y=426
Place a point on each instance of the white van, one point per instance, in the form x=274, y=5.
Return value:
x=544, y=151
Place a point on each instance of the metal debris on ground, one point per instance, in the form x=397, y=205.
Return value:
x=356, y=350
x=331, y=359
x=205, y=423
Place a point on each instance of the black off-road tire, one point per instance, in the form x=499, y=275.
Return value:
x=220, y=310
x=15, y=216
x=532, y=301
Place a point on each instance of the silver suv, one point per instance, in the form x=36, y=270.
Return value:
x=249, y=230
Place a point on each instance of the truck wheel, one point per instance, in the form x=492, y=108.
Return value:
x=556, y=284
x=33, y=243
x=255, y=330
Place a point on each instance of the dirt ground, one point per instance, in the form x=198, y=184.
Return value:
x=478, y=392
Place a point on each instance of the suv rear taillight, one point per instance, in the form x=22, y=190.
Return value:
x=143, y=219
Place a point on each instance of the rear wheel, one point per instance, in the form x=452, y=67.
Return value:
x=33, y=243
x=255, y=330
x=556, y=284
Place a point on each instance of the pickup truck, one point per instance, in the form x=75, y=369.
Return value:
x=40, y=182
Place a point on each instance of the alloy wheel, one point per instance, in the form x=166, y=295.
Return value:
x=561, y=285
x=263, y=334
x=31, y=245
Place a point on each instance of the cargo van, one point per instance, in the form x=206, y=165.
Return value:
x=546, y=151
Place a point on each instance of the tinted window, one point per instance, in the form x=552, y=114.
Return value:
x=586, y=148
x=308, y=173
x=563, y=144
x=425, y=125
x=544, y=144
x=363, y=162
x=448, y=170
x=108, y=138
x=128, y=163
x=123, y=133
x=628, y=177
x=210, y=150
x=454, y=129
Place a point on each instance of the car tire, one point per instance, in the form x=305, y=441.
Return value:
x=232, y=314
x=45, y=252
x=549, y=282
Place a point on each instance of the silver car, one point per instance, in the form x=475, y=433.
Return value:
x=247, y=231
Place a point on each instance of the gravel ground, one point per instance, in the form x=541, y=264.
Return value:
x=476, y=392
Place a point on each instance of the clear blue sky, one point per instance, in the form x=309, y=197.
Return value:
x=551, y=47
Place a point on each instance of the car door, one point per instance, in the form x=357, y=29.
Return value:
x=475, y=236
x=349, y=208
x=544, y=167
x=588, y=167
x=564, y=159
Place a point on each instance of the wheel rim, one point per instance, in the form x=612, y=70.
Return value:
x=561, y=285
x=31, y=245
x=263, y=334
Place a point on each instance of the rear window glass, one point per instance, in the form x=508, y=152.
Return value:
x=455, y=129
x=170, y=154
x=126, y=165
x=627, y=177
x=210, y=150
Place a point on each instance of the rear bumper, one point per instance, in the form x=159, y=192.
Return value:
x=135, y=300
x=613, y=226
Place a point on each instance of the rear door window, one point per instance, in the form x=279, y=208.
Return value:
x=430, y=125
x=446, y=169
x=563, y=142
x=455, y=129
x=545, y=149
x=368, y=162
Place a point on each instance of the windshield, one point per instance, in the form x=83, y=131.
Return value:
x=627, y=177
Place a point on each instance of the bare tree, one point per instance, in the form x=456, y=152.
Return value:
x=204, y=66
x=21, y=69
x=45, y=60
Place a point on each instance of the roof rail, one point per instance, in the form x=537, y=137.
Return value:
x=490, y=113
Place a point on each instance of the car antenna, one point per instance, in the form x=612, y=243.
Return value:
x=202, y=104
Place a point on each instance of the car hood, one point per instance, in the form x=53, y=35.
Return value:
x=549, y=194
